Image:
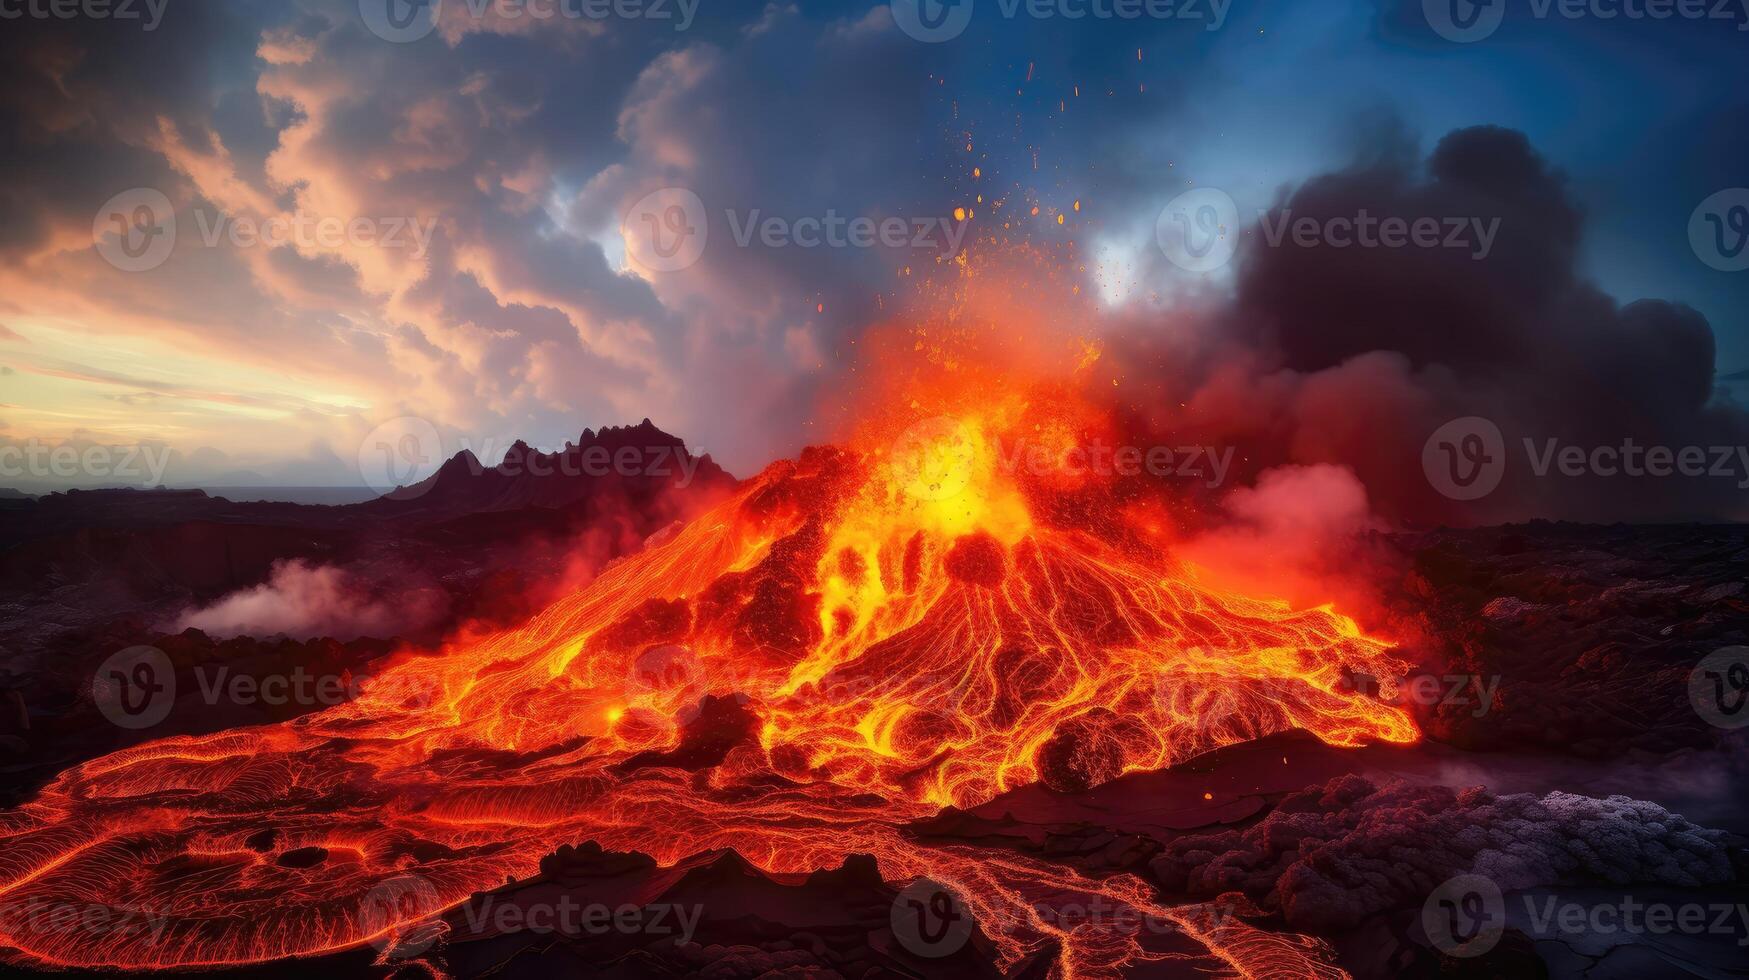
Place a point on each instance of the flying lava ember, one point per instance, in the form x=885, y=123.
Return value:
x=882, y=629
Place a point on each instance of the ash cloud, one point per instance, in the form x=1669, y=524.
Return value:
x=1355, y=356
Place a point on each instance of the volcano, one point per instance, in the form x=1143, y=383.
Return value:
x=857, y=639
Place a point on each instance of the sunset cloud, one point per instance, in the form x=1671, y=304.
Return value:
x=518, y=147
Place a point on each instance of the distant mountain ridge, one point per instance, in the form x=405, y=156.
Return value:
x=583, y=471
x=631, y=460
x=133, y=549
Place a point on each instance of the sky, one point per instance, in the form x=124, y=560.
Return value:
x=379, y=218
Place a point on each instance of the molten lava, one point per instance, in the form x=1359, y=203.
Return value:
x=909, y=625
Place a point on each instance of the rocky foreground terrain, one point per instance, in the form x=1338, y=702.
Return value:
x=1591, y=630
x=1568, y=760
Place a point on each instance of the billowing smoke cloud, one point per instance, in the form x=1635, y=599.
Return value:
x=304, y=601
x=1291, y=531
x=1356, y=356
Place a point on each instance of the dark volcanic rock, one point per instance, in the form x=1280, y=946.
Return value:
x=1083, y=753
x=714, y=728
x=1331, y=856
x=1587, y=634
x=712, y=915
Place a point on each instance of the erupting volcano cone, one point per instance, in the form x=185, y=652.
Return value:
x=880, y=632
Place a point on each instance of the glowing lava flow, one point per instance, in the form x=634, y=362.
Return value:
x=907, y=633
